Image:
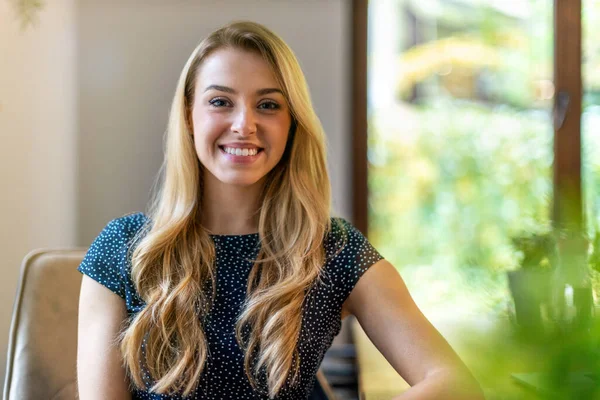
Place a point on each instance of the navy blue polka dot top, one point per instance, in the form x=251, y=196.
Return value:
x=108, y=262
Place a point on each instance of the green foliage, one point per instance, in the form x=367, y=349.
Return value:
x=460, y=185
x=467, y=165
x=538, y=250
x=27, y=11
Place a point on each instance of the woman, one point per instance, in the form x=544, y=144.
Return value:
x=236, y=281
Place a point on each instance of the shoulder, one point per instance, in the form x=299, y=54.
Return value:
x=127, y=225
x=338, y=231
x=348, y=255
x=107, y=258
x=117, y=235
x=343, y=236
x=347, y=249
x=122, y=230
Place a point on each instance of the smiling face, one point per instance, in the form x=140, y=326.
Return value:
x=240, y=118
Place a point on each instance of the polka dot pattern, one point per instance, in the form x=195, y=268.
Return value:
x=348, y=256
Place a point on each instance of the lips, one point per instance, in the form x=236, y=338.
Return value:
x=240, y=145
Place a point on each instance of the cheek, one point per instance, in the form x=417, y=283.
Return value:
x=207, y=129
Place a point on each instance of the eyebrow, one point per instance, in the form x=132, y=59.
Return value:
x=226, y=89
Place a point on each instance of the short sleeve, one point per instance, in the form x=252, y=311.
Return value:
x=349, y=255
x=105, y=260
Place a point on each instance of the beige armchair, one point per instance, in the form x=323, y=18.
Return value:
x=42, y=349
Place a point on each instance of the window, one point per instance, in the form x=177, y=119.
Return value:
x=460, y=143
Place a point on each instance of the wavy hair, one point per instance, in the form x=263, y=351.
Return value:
x=173, y=263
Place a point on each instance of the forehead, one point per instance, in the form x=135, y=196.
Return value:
x=236, y=68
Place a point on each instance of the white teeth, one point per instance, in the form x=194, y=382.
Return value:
x=240, y=152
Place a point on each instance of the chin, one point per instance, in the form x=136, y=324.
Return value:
x=242, y=181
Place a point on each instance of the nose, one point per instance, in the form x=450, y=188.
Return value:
x=244, y=122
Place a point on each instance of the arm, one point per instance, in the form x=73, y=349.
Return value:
x=384, y=308
x=100, y=374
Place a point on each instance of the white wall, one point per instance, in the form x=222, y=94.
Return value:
x=129, y=59
x=37, y=142
x=84, y=97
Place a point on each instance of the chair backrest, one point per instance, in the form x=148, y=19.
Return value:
x=42, y=349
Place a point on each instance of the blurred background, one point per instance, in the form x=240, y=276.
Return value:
x=460, y=132
x=461, y=152
x=461, y=140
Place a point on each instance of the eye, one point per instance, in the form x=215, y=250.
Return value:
x=269, y=105
x=218, y=102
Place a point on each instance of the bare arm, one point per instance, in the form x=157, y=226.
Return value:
x=386, y=311
x=100, y=374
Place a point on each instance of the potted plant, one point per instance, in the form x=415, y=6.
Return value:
x=531, y=285
x=551, y=262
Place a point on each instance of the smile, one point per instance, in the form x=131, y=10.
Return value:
x=240, y=151
x=236, y=155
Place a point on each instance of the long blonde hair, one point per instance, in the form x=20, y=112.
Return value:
x=173, y=263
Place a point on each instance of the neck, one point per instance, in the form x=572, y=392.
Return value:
x=229, y=209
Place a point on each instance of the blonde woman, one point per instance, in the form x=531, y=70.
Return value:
x=234, y=283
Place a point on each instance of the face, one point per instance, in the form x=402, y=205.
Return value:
x=240, y=118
